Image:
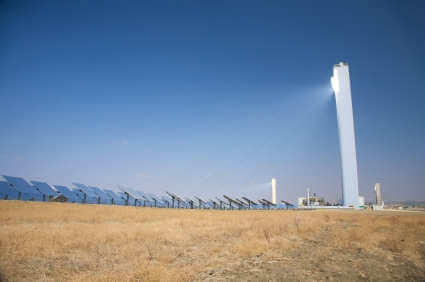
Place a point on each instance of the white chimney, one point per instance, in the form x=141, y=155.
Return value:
x=274, y=191
x=308, y=196
x=378, y=194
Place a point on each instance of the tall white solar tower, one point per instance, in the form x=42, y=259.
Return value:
x=341, y=85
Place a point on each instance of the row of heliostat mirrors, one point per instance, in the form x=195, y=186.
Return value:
x=17, y=188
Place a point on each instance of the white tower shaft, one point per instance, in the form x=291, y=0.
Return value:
x=341, y=85
x=274, y=191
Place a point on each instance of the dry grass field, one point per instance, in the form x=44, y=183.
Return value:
x=54, y=241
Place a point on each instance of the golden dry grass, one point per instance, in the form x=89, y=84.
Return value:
x=55, y=241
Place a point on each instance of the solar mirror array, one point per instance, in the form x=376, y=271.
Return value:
x=17, y=188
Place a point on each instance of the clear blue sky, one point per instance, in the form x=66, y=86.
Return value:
x=209, y=97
